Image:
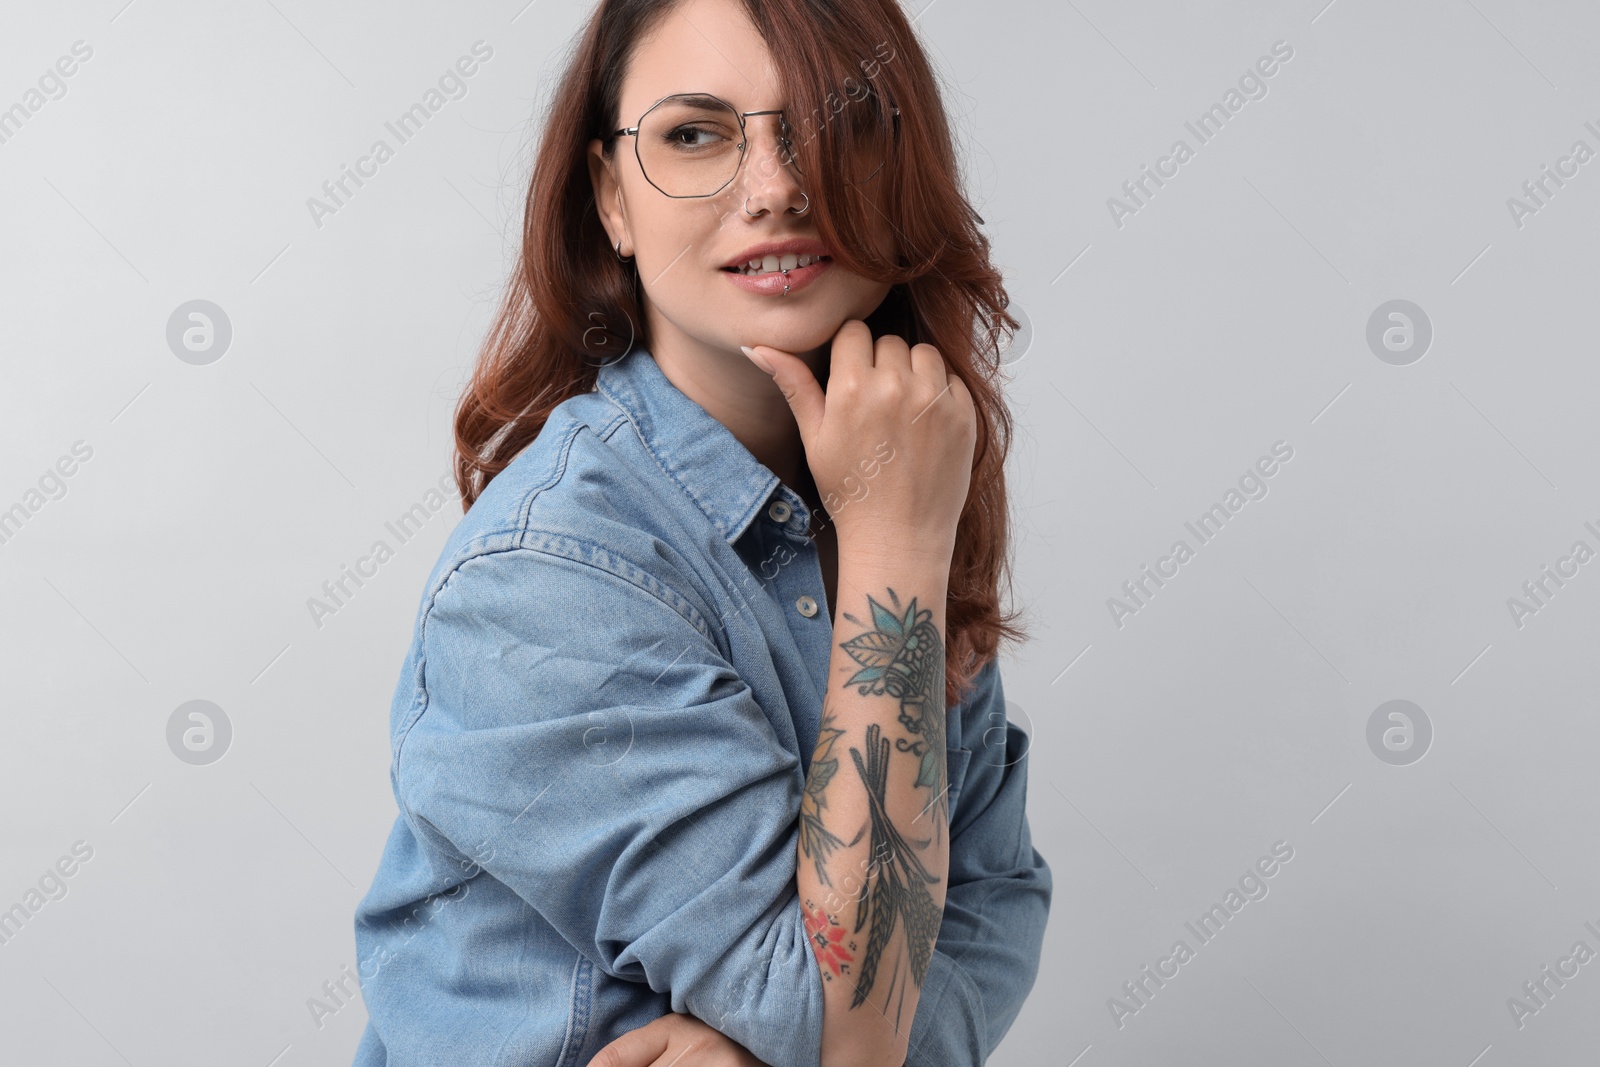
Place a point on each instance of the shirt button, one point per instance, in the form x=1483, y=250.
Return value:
x=807, y=606
x=779, y=511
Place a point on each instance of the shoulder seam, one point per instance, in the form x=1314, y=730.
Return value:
x=556, y=472
x=599, y=557
x=556, y=546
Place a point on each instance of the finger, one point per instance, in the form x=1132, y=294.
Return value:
x=927, y=362
x=636, y=1048
x=892, y=353
x=798, y=384
x=850, y=358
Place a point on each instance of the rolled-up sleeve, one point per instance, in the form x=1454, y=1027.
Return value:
x=582, y=737
x=997, y=902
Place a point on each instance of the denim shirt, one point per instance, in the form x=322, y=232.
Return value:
x=599, y=743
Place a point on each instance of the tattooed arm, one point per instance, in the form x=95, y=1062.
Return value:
x=874, y=852
x=874, y=833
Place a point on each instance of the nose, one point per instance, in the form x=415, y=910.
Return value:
x=766, y=154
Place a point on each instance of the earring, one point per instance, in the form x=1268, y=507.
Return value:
x=620, y=257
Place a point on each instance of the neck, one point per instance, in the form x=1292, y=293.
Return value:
x=747, y=401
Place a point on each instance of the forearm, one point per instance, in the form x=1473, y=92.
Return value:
x=873, y=856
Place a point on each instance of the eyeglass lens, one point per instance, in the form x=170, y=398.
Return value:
x=690, y=145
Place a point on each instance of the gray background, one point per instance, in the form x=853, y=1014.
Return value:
x=1166, y=356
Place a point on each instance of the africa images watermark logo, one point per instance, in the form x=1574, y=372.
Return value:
x=451, y=85
x=49, y=486
x=1252, y=486
x=1252, y=886
x=339, y=590
x=1210, y=122
x=1538, y=991
x=52, y=86
x=1537, y=192
x=52, y=887
x=1540, y=589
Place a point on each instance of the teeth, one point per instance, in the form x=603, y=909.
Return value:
x=772, y=264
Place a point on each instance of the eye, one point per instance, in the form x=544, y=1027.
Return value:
x=684, y=136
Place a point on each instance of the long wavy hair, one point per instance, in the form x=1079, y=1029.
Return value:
x=571, y=305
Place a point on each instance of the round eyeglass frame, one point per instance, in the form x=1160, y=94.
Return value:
x=744, y=141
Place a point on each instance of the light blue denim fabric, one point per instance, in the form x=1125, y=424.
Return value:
x=600, y=739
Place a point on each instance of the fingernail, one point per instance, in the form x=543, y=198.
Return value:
x=757, y=358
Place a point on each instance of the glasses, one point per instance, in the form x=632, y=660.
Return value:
x=692, y=144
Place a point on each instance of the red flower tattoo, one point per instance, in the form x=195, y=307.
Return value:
x=826, y=940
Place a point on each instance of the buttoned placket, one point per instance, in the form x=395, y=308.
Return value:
x=797, y=583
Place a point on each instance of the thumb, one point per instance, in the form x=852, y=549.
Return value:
x=795, y=380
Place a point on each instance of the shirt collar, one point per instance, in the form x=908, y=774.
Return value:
x=697, y=452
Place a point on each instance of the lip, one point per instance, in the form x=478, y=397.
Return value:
x=798, y=246
x=772, y=284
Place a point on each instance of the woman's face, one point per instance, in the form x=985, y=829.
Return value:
x=682, y=245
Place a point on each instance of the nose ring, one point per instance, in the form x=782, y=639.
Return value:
x=792, y=211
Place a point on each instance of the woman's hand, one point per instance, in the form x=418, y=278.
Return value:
x=678, y=1040
x=892, y=410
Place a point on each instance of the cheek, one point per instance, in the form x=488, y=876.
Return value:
x=677, y=272
x=684, y=233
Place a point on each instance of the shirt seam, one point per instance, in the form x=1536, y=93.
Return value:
x=421, y=702
x=564, y=454
x=482, y=545
x=577, y=1011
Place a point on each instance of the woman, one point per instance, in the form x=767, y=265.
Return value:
x=700, y=746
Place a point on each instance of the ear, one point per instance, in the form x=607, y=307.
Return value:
x=608, y=197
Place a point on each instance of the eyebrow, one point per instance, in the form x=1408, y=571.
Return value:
x=698, y=99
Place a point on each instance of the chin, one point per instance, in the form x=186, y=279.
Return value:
x=801, y=343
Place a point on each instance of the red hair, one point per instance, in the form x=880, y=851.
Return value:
x=571, y=305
